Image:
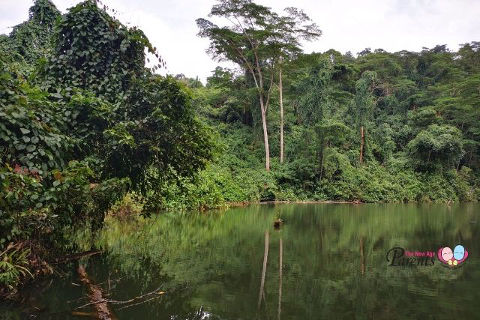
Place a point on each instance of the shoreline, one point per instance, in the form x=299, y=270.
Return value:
x=248, y=203
x=356, y=202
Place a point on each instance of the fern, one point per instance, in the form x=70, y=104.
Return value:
x=13, y=267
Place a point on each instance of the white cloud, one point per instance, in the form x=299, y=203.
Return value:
x=347, y=25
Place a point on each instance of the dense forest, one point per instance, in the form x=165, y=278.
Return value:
x=87, y=129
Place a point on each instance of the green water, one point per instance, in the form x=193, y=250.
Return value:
x=210, y=265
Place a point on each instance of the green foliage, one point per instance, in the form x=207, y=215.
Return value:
x=180, y=141
x=35, y=207
x=13, y=267
x=421, y=136
x=198, y=193
x=30, y=125
x=256, y=30
x=85, y=124
x=364, y=99
x=31, y=40
x=21, y=205
x=440, y=145
x=313, y=92
x=424, y=117
x=94, y=51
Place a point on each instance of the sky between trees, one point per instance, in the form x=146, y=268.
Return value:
x=347, y=25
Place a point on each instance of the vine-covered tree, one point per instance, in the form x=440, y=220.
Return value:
x=92, y=124
x=32, y=39
x=364, y=105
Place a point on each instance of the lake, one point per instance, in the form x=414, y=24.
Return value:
x=226, y=265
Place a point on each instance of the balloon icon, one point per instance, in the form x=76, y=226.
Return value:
x=459, y=252
x=452, y=258
x=447, y=253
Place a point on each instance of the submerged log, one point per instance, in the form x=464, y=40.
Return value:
x=76, y=256
x=84, y=314
x=95, y=295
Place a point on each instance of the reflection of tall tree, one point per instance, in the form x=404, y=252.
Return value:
x=280, y=274
x=321, y=268
x=264, y=270
x=362, y=256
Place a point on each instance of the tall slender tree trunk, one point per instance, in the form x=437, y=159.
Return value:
x=362, y=143
x=264, y=269
x=263, y=107
x=265, y=134
x=321, y=163
x=280, y=89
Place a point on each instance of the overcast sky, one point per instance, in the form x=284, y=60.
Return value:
x=347, y=25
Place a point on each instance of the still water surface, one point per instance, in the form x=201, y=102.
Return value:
x=211, y=266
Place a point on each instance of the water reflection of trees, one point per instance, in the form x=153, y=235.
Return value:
x=215, y=261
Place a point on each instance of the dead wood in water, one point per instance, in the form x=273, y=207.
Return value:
x=76, y=256
x=84, y=314
x=144, y=298
x=95, y=296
